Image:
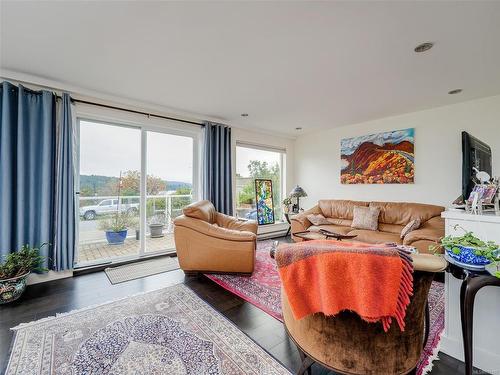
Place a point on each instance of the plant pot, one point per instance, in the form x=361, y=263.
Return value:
x=467, y=256
x=116, y=238
x=156, y=230
x=12, y=289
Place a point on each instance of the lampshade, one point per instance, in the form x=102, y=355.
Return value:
x=298, y=192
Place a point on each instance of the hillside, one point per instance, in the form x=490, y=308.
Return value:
x=99, y=185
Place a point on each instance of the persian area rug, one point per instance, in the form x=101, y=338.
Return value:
x=168, y=331
x=263, y=289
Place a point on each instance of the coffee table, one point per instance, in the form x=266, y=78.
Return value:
x=323, y=235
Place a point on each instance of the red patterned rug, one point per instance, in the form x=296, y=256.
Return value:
x=262, y=289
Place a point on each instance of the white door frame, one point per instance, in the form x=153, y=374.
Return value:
x=145, y=125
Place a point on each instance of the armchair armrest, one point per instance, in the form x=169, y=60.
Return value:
x=214, y=231
x=230, y=222
x=432, y=230
x=429, y=263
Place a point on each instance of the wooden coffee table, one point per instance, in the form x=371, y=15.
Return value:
x=323, y=235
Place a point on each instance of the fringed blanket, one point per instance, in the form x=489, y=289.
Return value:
x=374, y=281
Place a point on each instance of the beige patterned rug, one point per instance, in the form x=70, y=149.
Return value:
x=168, y=331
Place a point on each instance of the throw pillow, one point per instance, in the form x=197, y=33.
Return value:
x=365, y=217
x=317, y=219
x=411, y=226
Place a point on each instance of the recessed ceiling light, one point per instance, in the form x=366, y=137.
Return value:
x=456, y=91
x=298, y=128
x=244, y=115
x=424, y=47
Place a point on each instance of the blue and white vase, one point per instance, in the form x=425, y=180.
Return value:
x=467, y=256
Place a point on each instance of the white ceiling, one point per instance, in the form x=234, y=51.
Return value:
x=288, y=64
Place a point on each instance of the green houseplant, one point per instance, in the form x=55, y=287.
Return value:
x=469, y=249
x=116, y=227
x=14, y=270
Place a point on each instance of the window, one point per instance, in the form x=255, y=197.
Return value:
x=258, y=162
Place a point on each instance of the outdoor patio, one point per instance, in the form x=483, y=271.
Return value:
x=93, y=252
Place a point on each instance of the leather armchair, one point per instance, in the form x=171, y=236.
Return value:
x=210, y=242
x=348, y=345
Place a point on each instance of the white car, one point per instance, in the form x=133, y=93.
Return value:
x=107, y=206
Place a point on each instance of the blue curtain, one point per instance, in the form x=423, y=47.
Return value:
x=65, y=212
x=217, y=167
x=27, y=166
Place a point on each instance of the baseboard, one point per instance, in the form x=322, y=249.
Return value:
x=484, y=360
x=36, y=278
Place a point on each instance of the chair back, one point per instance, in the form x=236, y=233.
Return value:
x=202, y=210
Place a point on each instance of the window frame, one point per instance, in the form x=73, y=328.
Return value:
x=262, y=147
x=144, y=124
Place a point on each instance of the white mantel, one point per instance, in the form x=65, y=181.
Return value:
x=486, y=352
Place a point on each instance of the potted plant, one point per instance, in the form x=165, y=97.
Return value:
x=14, y=270
x=470, y=250
x=156, y=224
x=116, y=227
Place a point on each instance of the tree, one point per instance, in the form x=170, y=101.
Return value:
x=131, y=185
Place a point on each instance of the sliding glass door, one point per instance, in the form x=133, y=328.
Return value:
x=169, y=186
x=133, y=181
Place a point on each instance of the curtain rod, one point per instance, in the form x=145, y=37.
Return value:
x=134, y=111
x=109, y=106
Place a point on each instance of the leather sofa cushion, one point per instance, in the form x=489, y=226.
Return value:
x=391, y=228
x=317, y=219
x=341, y=222
x=332, y=228
x=202, y=210
x=339, y=209
x=371, y=236
x=401, y=213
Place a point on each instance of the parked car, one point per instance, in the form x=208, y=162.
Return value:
x=108, y=206
x=252, y=215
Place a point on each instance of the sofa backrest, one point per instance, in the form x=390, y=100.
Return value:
x=393, y=215
x=401, y=213
x=339, y=209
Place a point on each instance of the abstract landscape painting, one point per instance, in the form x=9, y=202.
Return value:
x=264, y=199
x=382, y=158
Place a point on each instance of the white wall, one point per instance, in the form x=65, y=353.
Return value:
x=438, y=154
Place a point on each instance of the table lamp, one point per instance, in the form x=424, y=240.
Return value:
x=297, y=192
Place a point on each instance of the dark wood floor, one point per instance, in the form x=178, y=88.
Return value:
x=53, y=297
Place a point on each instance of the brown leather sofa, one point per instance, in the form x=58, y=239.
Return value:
x=210, y=242
x=348, y=345
x=393, y=217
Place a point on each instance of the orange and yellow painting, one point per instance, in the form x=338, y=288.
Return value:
x=382, y=158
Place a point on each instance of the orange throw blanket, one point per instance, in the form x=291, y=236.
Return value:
x=374, y=281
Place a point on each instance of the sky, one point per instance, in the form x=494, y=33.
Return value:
x=244, y=155
x=106, y=150
x=349, y=145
